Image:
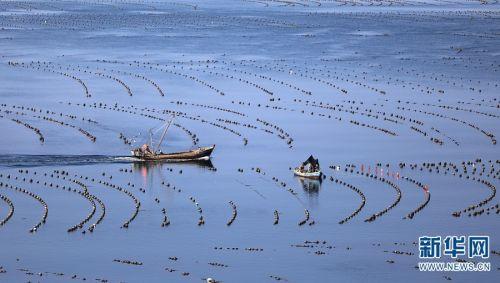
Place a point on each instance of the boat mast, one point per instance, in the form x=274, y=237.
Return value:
x=163, y=134
x=150, y=138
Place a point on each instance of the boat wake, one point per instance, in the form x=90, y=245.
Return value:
x=21, y=160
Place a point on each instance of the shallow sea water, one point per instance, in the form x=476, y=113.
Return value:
x=410, y=51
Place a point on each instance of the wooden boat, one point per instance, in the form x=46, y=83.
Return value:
x=201, y=153
x=145, y=152
x=309, y=169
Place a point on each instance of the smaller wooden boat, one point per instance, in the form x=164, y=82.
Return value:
x=146, y=152
x=309, y=169
x=311, y=175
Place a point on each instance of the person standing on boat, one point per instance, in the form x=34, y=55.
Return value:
x=146, y=149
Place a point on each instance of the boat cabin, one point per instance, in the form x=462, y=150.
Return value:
x=309, y=169
x=310, y=165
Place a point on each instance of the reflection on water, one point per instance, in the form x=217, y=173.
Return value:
x=147, y=166
x=312, y=188
x=149, y=169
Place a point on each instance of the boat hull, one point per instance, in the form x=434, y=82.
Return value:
x=202, y=153
x=309, y=175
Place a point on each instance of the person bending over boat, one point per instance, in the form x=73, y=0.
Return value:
x=145, y=149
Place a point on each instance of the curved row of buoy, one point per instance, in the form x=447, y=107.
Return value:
x=158, y=88
x=263, y=77
x=427, y=197
x=152, y=66
x=396, y=188
x=201, y=220
x=86, y=69
x=127, y=261
x=50, y=112
x=282, y=134
x=134, y=111
x=307, y=217
x=489, y=135
x=47, y=119
x=323, y=76
x=438, y=167
x=34, y=129
x=356, y=190
x=254, y=63
x=178, y=103
x=32, y=66
x=137, y=203
x=49, y=185
x=11, y=209
x=166, y=220
x=92, y=198
x=385, y=131
x=394, y=118
x=242, y=80
x=234, y=213
x=45, y=213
